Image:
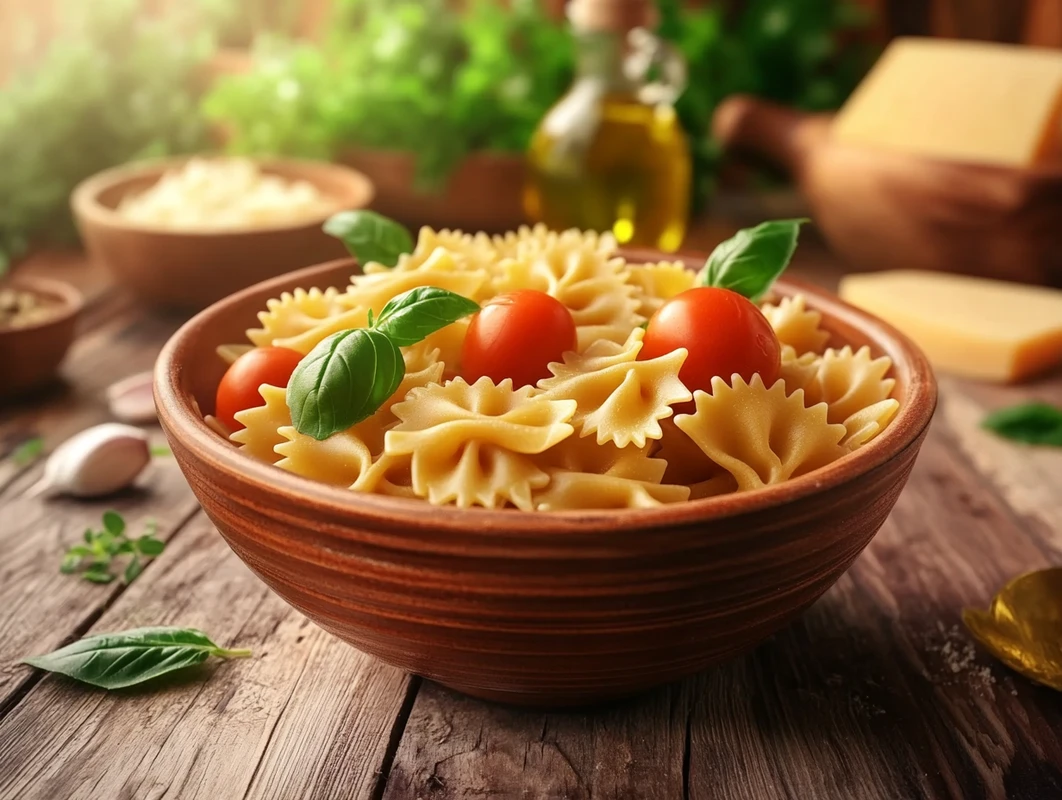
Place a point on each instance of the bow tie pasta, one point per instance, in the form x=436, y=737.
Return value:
x=611, y=423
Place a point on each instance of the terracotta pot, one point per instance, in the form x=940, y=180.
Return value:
x=191, y=269
x=31, y=355
x=484, y=193
x=885, y=210
x=542, y=609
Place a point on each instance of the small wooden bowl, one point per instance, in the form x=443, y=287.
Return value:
x=538, y=609
x=885, y=210
x=189, y=270
x=31, y=355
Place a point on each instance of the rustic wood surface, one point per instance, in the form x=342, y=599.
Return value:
x=877, y=692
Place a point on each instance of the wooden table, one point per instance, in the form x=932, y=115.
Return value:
x=877, y=693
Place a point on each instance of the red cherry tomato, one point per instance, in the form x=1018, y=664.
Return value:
x=723, y=332
x=516, y=335
x=238, y=389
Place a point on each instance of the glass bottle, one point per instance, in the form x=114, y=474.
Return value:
x=611, y=155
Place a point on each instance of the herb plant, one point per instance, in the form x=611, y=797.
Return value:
x=118, y=660
x=101, y=547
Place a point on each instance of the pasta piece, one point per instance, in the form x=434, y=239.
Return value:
x=865, y=424
x=339, y=460
x=261, y=425
x=471, y=251
x=797, y=325
x=656, y=283
x=849, y=382
x=592, y=286
x=574, y=490
x=575, y=454
x=440, y=269
x=721, y=484
x=619, y=398
x=304, y=342
x=472, y=445
x=527, y=241
x=448, y=342
x=797, y=370
x=230, y=352
x=759, y=435
x=686, y=462
x=389, y=475
x=293, y=313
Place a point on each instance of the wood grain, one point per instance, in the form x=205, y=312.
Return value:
x=225, y=730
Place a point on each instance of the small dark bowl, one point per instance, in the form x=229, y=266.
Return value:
x=31, y=355
x=540, y=609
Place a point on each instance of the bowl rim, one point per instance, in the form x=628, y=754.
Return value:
x=180, y=421
x=71, y=301
x=84, y=199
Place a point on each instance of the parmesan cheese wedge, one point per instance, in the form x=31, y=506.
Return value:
x=972, y=327
x=959, y=100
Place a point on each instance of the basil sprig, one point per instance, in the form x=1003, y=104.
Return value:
x=750, y=261
x=348, y=375
x=117, y=660
x=1032, y=423
x=369, y=236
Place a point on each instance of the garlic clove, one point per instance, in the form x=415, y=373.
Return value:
x=131, y=399
x=97, y=461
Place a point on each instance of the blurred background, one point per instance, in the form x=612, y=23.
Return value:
x=436, y=100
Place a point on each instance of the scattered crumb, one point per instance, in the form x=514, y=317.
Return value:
x=953, y=659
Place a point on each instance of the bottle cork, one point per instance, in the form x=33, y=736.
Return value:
x=618, y=16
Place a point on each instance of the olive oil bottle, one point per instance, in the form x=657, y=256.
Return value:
x=611, y=155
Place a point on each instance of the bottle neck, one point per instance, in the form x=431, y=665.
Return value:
x=599, y=59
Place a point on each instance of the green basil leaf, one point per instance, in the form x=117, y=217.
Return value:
x=89, y=536
x=72, y=559
x=342, y=381
x=116, y=660
x=113, y=523
x=97, y=573
x=28, y=452
x=411, y=316
x=132, y=570
x=1032, y=423
x=150, y=546
x=750, y=261
x=369, y=236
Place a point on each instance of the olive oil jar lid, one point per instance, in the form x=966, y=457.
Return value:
x=618, y=16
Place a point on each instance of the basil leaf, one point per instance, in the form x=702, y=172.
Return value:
x=368, y=236
x=342, y=381
x=150, y=546
x=113, y=523
x=132, y=570
x=97, y=573
x=27, y=452
x=751, y=260
x=1032, y=423
x=413, y=315
x=116, y=660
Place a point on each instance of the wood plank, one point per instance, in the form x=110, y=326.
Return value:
x=455, y=746
x=877, y=692
x=39, y=606
x=306, y=717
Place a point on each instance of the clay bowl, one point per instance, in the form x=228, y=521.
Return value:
x=550, y=610
x=886, y=210
x=30, y=355
x=189, y=270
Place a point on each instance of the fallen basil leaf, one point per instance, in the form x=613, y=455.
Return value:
x=113, y=523
x=28, y=452
x=132, y=570
x=342, y=381
x=1032, y=423
x=126, y=658
x=150, y=546
x=97, y=574
x=411, y=316
x=750, y=261
x=369, y=236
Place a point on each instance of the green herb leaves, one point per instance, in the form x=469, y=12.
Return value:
x=28, y=452
x=101, y=547
x=351, y=373
x=750, y=261
x=1032, y=423
x=368, y=236
x=413, y=315
x=342, y=381
x=117, y=660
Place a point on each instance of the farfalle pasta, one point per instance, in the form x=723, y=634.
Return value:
x=637, y=406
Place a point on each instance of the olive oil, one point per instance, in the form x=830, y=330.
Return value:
x=611, y=155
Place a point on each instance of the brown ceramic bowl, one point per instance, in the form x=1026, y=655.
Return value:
x=192, y=269
x=31, y=355
x=539, y=609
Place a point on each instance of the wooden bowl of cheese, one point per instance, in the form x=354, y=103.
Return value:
x=183, y=233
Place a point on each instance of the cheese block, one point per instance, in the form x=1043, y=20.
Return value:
x=959, y=100
x=973, y=327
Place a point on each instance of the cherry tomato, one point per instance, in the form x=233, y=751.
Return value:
x=516, y=335
x=723, y=332
x=238, y=389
